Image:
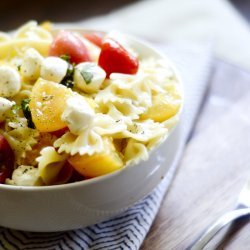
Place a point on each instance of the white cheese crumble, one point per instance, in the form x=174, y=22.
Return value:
x=24, y=176
x=54, y=69
x=78, y=115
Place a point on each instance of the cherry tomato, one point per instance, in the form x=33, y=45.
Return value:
x=76, y=176
x=7, y=159
x=95, y=37
x=65, y=174
x=67, y=43
x=115, y=58
x=60, y=132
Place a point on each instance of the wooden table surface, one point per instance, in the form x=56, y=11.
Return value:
x=215, y=165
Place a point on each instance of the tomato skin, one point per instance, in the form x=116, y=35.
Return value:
x=66, y=43
x=60, y=132
x=95, y=38
x=76, y=176
x=65, y=174
x=7, y=159
x=115, y=58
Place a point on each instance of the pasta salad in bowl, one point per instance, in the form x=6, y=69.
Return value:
x=85, y=114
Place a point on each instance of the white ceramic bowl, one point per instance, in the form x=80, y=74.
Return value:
x=75, y=205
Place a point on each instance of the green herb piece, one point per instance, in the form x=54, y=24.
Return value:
x=26, y=112
x=68, y=79
x=25, y=170
x=67, y=83
x=15, y=108
x=87, y=76
x=70, y=70
x=65, y=58
x=19, y=67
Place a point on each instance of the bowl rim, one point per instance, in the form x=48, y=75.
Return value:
x=83, y=183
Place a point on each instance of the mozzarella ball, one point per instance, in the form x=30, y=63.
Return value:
x=54, y=69
x=78, y=115
x=89, y=77
x=10, y=82
x=25, y=176
x=5, y=105
x=31, y=64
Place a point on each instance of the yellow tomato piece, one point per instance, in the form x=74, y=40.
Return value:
x=97, y=164
x=164, y=106
x=48, y=101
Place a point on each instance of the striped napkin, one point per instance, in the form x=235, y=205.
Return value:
x=128, y=230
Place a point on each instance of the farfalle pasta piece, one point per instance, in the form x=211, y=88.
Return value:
x=125, y=107
x=126, y=87
x=118, y=116
x=144, y=131
x=32, y=31
x=88, y=142
x=106, y=125
x=50, y=163
x=158, y=71
x=134, y=152
x=21, y=139
x=28, y=36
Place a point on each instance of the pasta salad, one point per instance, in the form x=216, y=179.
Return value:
x=78, y=105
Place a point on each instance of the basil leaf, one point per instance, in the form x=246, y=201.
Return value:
x=68, y=79
x=65, y=58
x=67, y=83
x=87, y=76
x=26, y=112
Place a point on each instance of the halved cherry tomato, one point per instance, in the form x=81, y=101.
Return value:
x=76, y=176
x=67, y=43
x=60, y=132
x=7, y=159
x=65, y=174
x=95, y=37
x=115, y=58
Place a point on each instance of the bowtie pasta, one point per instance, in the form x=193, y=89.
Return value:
x=75, y=106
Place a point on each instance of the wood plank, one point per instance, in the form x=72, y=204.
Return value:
x=214, y=167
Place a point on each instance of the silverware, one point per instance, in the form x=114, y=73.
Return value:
x=242, y=209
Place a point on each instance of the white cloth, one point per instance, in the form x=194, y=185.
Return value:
x=128, y=230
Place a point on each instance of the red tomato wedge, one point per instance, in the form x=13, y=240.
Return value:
x=7, y=159
x=95, y=38
x=67, y=43
x=115, y=58
x=65, y=174
x=60, y=132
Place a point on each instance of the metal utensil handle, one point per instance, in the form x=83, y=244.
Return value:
x=217, y=226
